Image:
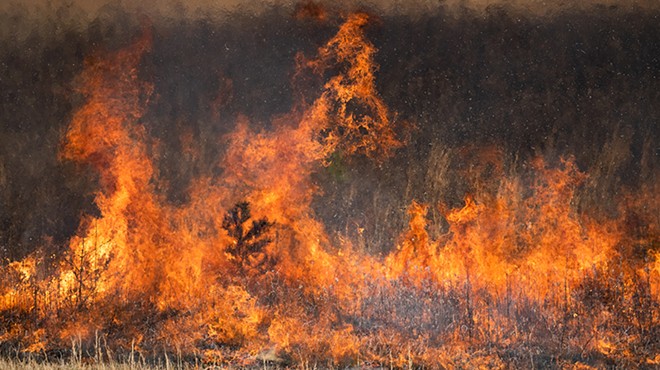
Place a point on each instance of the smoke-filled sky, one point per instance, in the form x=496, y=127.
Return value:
x=530, y=77
x=211, y=7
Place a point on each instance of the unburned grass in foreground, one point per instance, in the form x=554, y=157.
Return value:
x=18, y=364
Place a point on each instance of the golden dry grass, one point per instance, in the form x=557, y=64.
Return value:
x=17, y=364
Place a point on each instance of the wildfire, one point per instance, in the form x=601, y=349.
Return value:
x=244, y=271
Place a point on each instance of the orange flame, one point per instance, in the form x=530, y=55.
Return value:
x=245, y=271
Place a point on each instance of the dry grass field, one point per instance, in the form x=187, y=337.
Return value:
x=328, y=184
x=6, y=364
x=25, y=365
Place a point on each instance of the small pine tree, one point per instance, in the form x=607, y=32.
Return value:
x=249, y=239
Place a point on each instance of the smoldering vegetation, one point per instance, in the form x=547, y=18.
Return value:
x=579, y=83
x=537, y=129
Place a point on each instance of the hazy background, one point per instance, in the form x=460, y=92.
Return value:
x=519, y=78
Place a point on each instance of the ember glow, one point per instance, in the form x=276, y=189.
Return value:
x=487, y=256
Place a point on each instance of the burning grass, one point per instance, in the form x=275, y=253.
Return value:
x=90, y=365
x=244, y=274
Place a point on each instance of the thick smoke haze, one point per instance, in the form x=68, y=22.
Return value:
x=208, y=7
x=530, y=77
